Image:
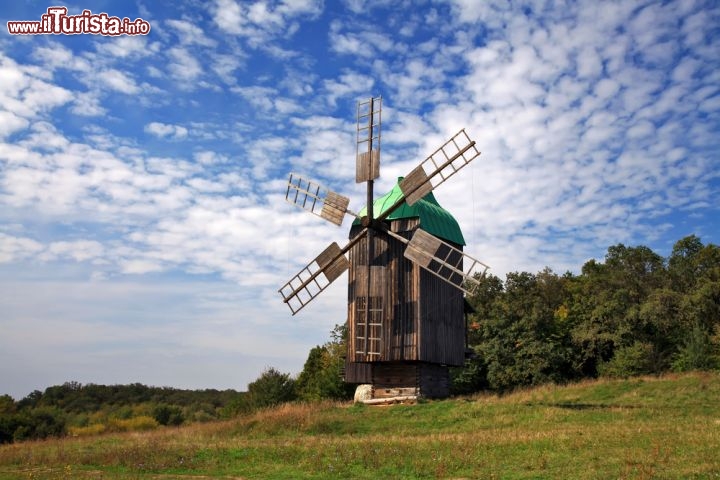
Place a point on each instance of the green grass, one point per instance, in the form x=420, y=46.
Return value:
x=666, y=427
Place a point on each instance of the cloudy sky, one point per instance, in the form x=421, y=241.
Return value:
x=143, y=228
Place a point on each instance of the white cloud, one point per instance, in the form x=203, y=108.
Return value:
x=154, y=72
x=259, y=97
x=589, y=64
x=126, y=46
x=24, y=93
x=78, y=250
x=292, y=8
x=225, y=65
x=491, y=14
x=349, y=86
x=259, y=13
x=55, y=56
x=207, y=186
x=229, y=16
x=184, y=66
x=164, y=130
x=365, y=43
x=88, y=104
x=95, y=71
x=137, y=266
x=10, y=123
x=14, y=249
x=268, y=101
x=207, y=157
x=262, y=21
x=118, y=81
x=189, y=33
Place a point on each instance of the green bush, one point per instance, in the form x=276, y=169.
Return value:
x=635, y=359
x=168, y=415
x=470, y=378
x=39, y=423
x=271, y=388
x=698, y=352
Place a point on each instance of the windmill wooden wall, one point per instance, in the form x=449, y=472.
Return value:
x=422, y=316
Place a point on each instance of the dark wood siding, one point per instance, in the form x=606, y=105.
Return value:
x=358, y=372
x=442, y=324
x=408, y=379
x=422, y=316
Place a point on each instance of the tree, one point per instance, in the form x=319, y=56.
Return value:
x=7, y=405
x=683, y=263
x=525, y=342
x=8, y=418
x=661, y=326
x=607, y=307
x=308, y=383
x=239, y=404
x=482, y=302
x=628, y=361
x=168, y=415
x=698, y=352
x=321, y=376
x=470, y=378
x=39, y=423
x=271, y=388
x=32, y=400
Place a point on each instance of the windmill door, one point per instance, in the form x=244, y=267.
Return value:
x=370, y=314
x=367, y=305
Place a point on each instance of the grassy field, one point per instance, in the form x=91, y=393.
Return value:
x=665, y=427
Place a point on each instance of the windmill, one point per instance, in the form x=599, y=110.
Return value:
x=407, y=271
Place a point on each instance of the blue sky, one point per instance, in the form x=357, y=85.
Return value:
x=143, y=230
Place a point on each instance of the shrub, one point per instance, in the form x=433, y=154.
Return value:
x=168, y=415
x=697, y=352
x=135, y=424
x=39, y=423
x=629, y=361
x=271, y=388
x=89, y=430
x=470, y=378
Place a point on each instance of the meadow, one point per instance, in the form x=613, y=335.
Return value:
x=648, y=427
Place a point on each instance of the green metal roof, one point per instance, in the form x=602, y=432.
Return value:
x=433, y=218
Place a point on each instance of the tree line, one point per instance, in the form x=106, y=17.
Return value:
x=634, y=313
x=76, y=409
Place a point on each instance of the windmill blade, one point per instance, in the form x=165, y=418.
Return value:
x=369, y=116
x=317, y=275
x=316, y=199
x=309, y=282
x=443, y=260
x=438, y=167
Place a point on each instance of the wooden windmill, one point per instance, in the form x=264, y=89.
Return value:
x=407, y=271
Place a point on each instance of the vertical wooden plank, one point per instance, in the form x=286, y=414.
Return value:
x=442, y=321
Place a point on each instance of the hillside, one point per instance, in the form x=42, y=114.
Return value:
x=649, y=427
